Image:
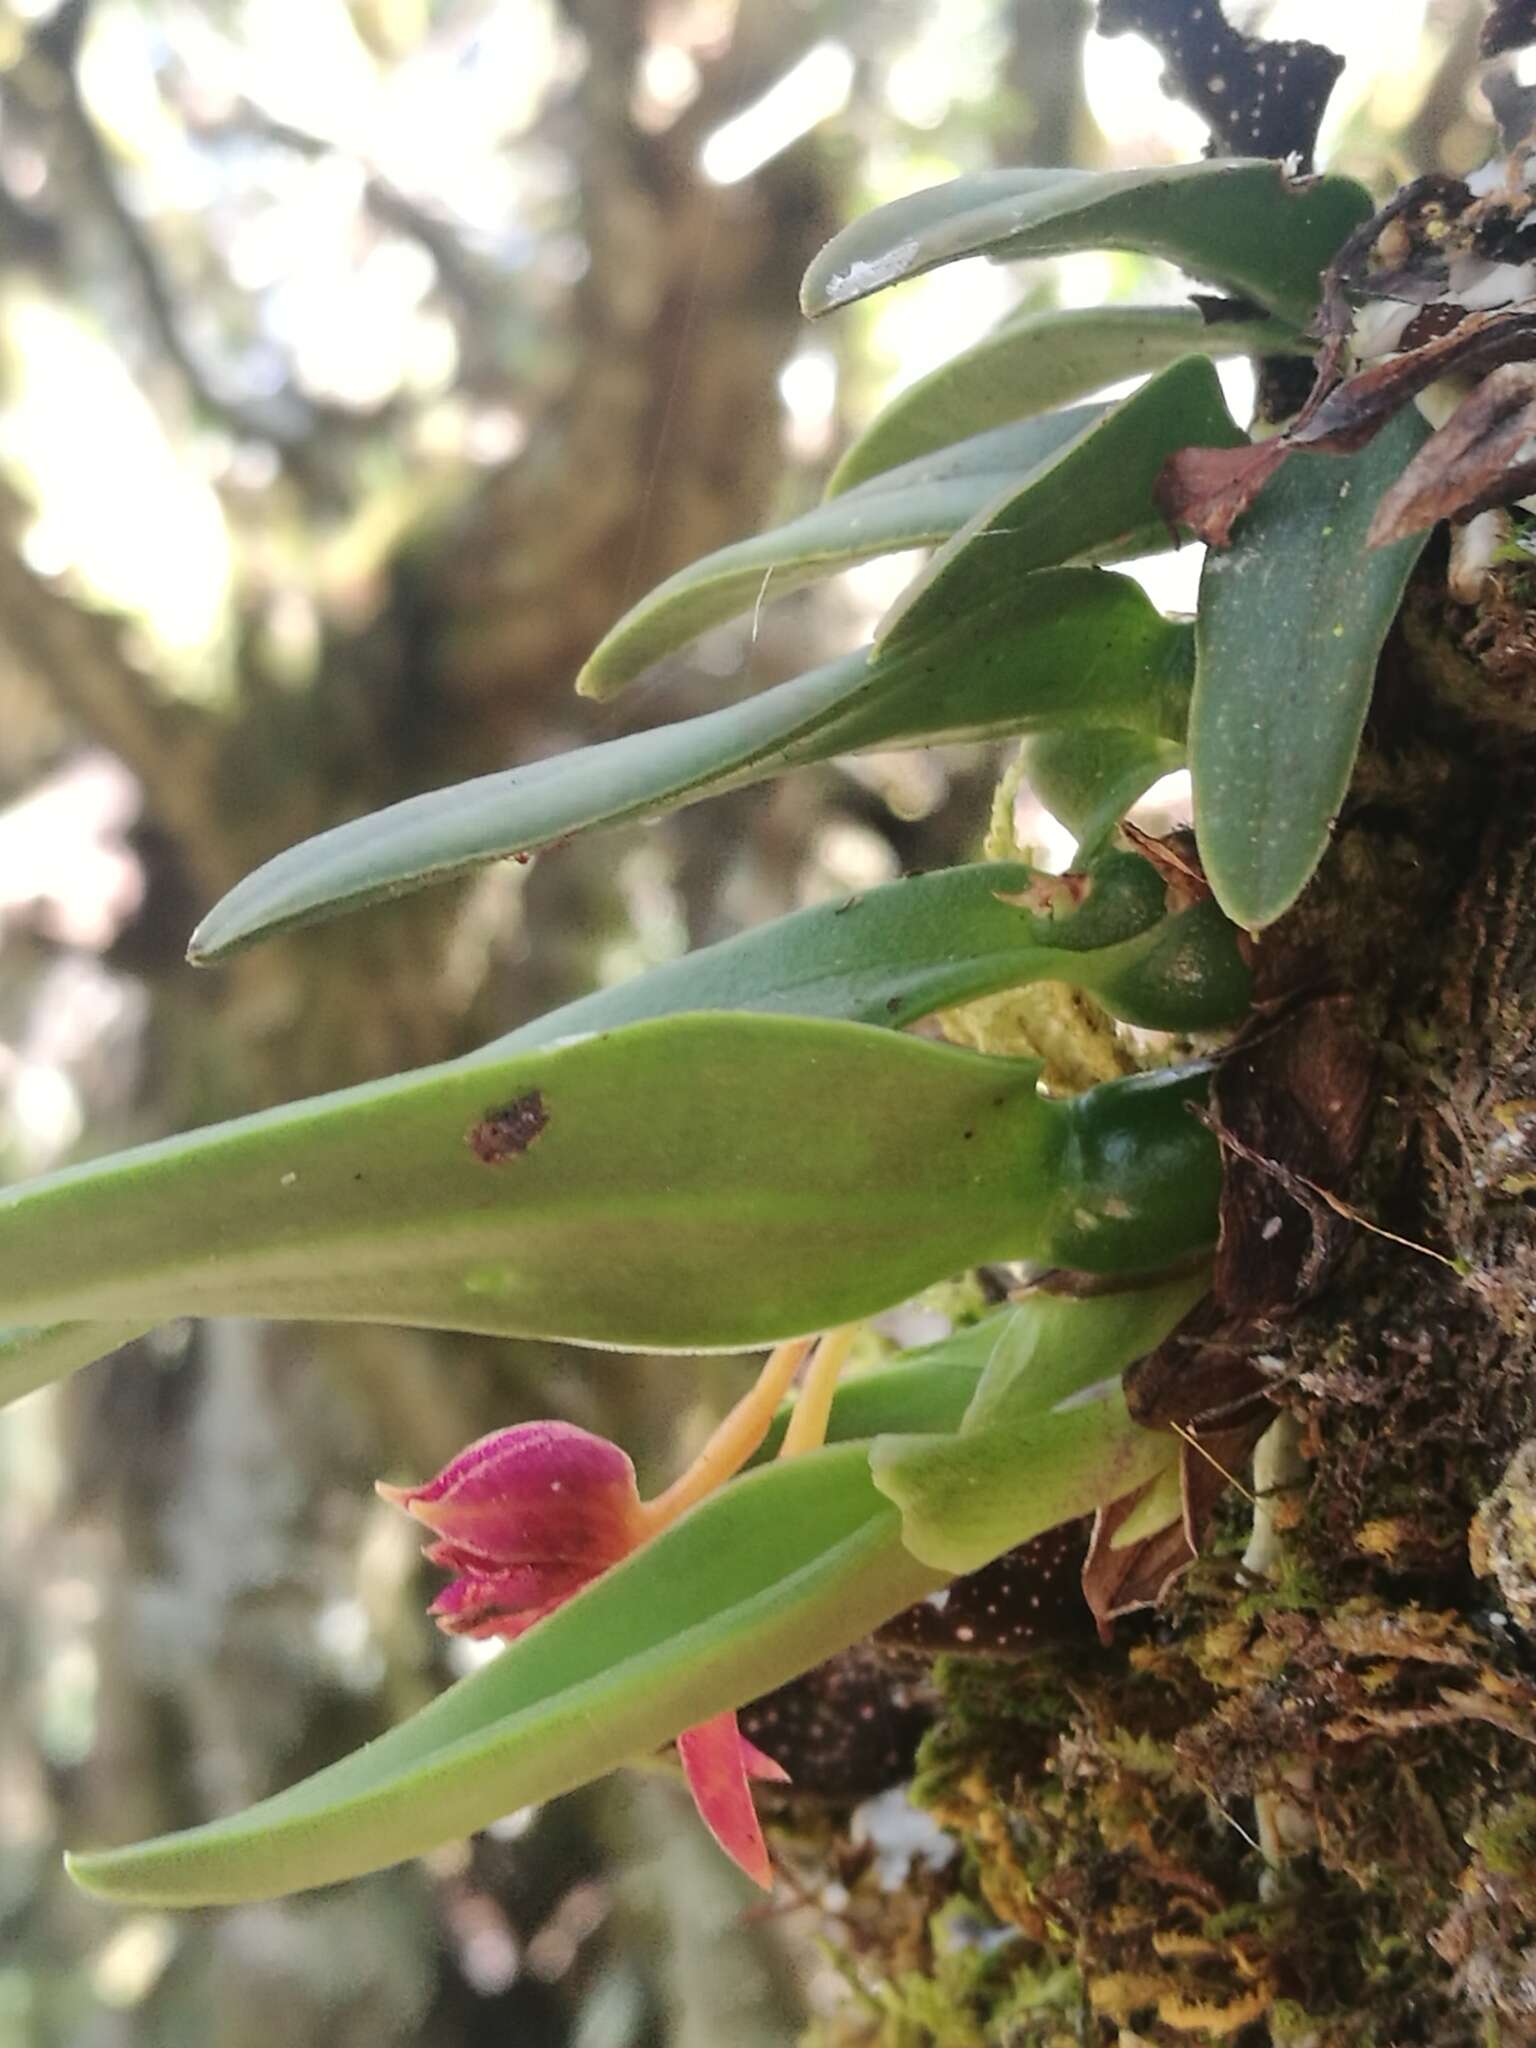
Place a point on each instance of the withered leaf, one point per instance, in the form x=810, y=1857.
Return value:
x=1480, y=457
x=1117, y=1582
x=1290, y=1105
x=1209, y=489
x=1212, y=1457
x=1354, y=410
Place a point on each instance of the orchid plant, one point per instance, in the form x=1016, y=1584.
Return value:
x=747, y=1145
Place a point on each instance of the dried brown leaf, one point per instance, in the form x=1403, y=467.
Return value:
x=1209, y=489
x=1480, y=457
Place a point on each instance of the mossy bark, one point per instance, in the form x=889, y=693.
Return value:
x=1296, y=1804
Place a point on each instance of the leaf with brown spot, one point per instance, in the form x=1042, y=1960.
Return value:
x=1480, y=457
x=506, y=1133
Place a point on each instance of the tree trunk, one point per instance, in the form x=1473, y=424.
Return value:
x=1298, y=1805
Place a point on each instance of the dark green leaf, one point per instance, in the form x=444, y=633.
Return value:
x=691, y=1183
x=1241, y=223
x=1292, y=617
x=1096, y=494
x=1069, y=645
x=896, y=954
x=1041, y=360
x=921, y=502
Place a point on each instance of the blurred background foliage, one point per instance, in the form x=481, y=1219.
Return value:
x=360, y=360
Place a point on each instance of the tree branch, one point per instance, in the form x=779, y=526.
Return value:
x=1260, y=98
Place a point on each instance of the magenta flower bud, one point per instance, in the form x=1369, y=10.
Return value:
x=524, y=1518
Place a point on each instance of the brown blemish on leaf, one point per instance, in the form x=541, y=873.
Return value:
x=506, y=1133
x=1049, y=896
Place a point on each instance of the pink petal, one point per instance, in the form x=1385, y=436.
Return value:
x=761, y=1765
x=482, y=1603
x=714, y=1759
x=540, y=1493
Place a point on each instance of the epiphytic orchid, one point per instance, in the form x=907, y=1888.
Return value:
x=527, y=1516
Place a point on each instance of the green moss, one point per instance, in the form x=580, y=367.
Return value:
x=1506, y=1842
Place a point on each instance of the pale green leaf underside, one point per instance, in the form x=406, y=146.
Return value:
x=1096, y=491
x=1068, y=645
x=910, y=507
x=698, y=1183
x=1036, y=362
x=1292, y=617
x=1238, y=222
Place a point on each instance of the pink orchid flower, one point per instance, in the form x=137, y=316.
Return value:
x=524, y=1519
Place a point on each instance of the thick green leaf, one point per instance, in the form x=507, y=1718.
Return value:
x=921, y=502
x=1242, y=223
x=893, y=955
x=690, y=1183
x=1041, y=360
x=1292, y=617
x=1047, y=1435
x=779, y=1570
x=1096, y=493
x=1069, y=645
x=33, y=1358
x=1090, y=776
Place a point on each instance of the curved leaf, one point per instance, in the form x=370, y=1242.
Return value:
x=33, y=1358
x=1242, y=223
x=692, y=1183
x=921, y=502
x=777, y=1571
x=1047, y=1434
x=1041, y=360
x=1096, y=493
x=895, y=954
x=1088, y=777
x=1292, y=617
x=1070, y=644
